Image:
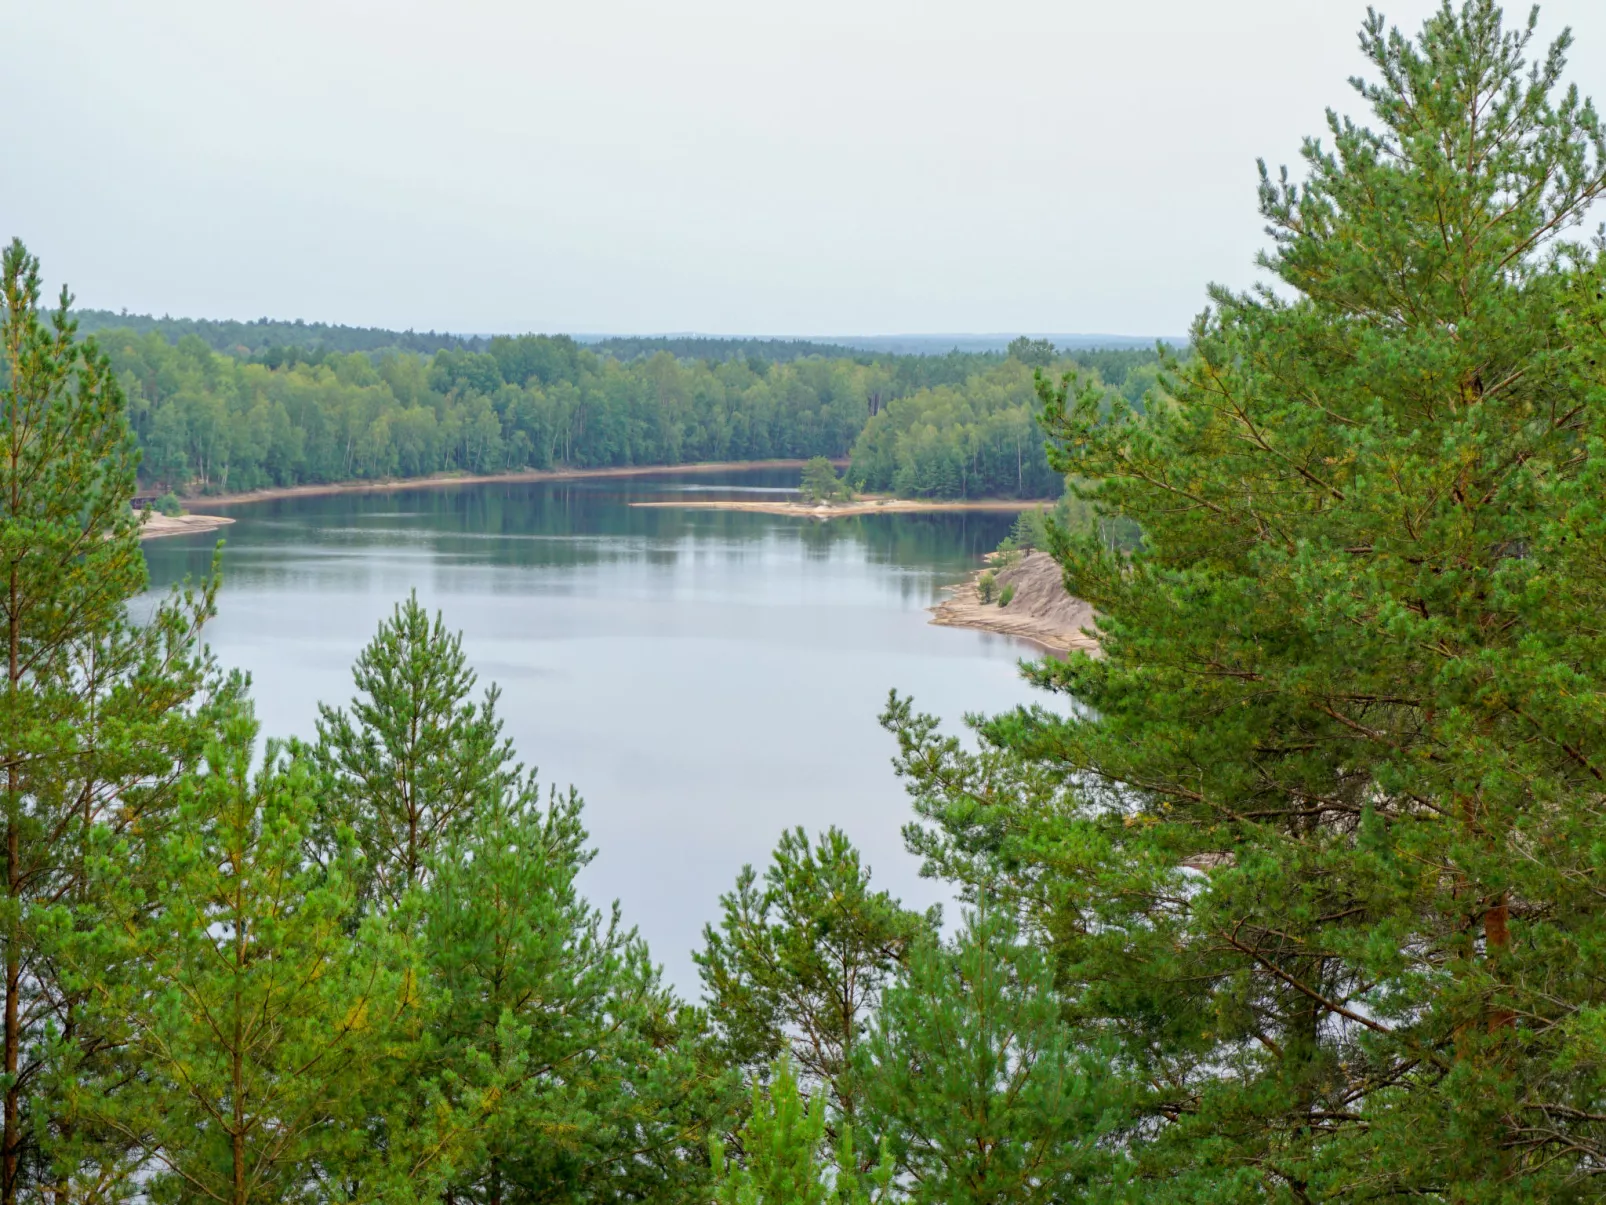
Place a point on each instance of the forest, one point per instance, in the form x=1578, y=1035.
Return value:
x=1295, y=893
x=305, y=412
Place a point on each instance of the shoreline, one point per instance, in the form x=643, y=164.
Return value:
x=1059, y=634
x=154, y=526
x=868, y=506
x=442, y=480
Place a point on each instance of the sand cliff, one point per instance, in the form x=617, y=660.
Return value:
x=1041, y=611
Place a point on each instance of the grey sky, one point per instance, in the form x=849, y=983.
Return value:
x=730, y=166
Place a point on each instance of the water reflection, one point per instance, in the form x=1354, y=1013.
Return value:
x=705, y=678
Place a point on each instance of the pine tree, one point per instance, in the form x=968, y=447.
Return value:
x=798, y=965
x=415, y=759
x=99, y=718
x=551, y=1026
x=253, y=1013
x=1319, y=843
x=820, y=482
x=974, y=1080
x=540, y=1052
x=780, y=1147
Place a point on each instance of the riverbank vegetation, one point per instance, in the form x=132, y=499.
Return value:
x=310, y=413
x=1295, y=895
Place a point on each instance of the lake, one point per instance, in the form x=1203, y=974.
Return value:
x=705, y=679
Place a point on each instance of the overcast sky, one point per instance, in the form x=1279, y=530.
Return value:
x=726, y=166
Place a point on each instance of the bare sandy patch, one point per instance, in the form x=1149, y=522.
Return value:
x=1041, y=611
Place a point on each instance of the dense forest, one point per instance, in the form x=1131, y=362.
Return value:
x=210, y=422
x=254, y=338
x=1295, y=893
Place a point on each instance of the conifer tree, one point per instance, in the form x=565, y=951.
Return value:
x=254, y=1014
x=797, y=966
x=540, y=1054
x=975, y=1082
x=551, y=1024
x=780, y=1148
x=415, y=759
x=1319, y=842
x=99, y=717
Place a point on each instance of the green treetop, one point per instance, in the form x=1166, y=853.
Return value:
x=551, y=1030
x=797, y=965
x=781, y=1163
x=974, y=1081
x=820, y=482
x=415, y=757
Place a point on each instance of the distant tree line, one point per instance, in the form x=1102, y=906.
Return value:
x=700, y=347
x=302, y=412
x=255, y=337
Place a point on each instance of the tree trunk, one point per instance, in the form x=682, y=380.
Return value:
x=1496, y=940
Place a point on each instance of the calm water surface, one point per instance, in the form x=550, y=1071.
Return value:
x=705, y=679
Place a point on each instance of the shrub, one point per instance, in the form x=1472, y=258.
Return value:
x=169, y=505
x=987, y=586
x=1009, y=593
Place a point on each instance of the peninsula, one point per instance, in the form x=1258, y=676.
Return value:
x=154, y=526
x=1040, y=610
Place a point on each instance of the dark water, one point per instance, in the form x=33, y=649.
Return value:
x=704, y=678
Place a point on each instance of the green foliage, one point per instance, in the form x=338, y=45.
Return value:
x=264, y=336
x=169, y=505
x=1317, y=844
x=987, y=586
x=532, y=1014
x=253, y=1016
x=781, y=1144
x=209, y=422
x=415, y=759
x=100, y=718
x=978, y=439
x=1029, y=531
x=976, y=1082
x=1006, y=595
x=551, y=1021
x=316, y=411
x=1298, y=896
x=693, y=347
x=1034, y=353
x=797, y=966
x=820, y=482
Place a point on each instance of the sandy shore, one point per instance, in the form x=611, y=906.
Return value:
x=862, y=506
x=449, y=479
x=1041, y=611
x=156, y=526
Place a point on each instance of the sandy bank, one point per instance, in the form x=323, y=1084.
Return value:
x=862, y=506
x=440, y=480
x=1041, y=611
x=156, y=526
